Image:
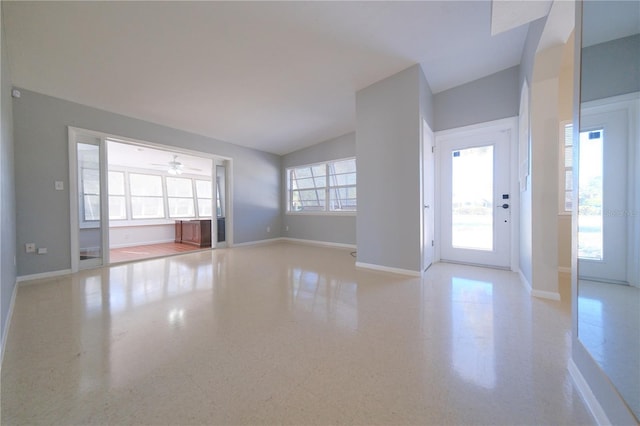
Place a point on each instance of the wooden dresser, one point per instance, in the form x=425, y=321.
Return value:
x=195, y=232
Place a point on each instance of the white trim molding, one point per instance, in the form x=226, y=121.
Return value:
x=549, y=295
x=587, y=395
x=22, y=279
x=540, y=294
x=7, y=324
x=319, y=243
x=257, y=243
x=380, y=268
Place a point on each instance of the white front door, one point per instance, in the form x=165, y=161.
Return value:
x=475, y=203
x=604, y=188
x=428, y=190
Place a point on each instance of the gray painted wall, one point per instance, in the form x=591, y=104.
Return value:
x=7, y=190
x=388, y=125
x=41, y=157
x=602, y=80
x=334, y=229
x=490, y=98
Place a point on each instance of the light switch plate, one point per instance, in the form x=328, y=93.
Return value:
x=59, y=185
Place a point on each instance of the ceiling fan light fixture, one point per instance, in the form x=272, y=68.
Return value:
x=175, y=167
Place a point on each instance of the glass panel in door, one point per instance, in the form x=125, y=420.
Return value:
x=472, y=198
x=89, y=205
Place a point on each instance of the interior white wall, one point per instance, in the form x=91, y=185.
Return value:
x=128, y=236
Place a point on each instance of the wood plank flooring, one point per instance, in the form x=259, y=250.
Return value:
x=128, y=254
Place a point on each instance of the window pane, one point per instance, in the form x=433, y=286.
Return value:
x=204, y=207
x=181, y=207
x=472, y=198
x=145, y=185
x=343, y=166
x=568, y=156
x=147, y=207
x=343, y=199
x=91, y=207
x=116, y=183
x=179, y=187
x=203, y=189
x=344, y=179
x=90, y=181
x=568, y=180
x=590, y=195
x=568, y=202
x=117, y=209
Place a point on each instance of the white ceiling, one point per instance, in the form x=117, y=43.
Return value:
x=275, y=76
x=138, y=157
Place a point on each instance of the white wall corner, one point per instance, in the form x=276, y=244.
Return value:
x=587, y=395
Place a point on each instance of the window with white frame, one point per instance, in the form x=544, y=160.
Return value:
x=566, y=167
x=203, y=193
x=180, y=197
x=141, y=196
x=324, y=187
x=117, y=196
x=147, y=199
x=90, y=193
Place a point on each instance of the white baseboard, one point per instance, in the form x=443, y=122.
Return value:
x=587, y=395
x=319, y=243
x=550, y=295
x=23, y=278
x=541, y=294
x=388, y=269
x=146, y=243
x=564, y=269
x=256, y=243
x=7, y=323
x=524, y=281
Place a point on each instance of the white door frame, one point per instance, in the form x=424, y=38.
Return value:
x=73, y=133
x=509, y=125
x=426, y=135
x=629, y=104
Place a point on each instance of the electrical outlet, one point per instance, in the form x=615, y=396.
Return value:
x=30, y=247
x=286, y=228
x=268, y=229
x=42, y=250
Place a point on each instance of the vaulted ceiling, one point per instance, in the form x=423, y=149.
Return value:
x=276, y=76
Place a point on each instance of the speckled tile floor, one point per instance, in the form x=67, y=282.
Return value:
x=286, y=334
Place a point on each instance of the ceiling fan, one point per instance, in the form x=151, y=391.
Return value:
x=175, y=167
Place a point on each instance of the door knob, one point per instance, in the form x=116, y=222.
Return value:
x=504, y=206
x=426, y=206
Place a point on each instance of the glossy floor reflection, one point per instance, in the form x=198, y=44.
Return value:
x=609, y=313
x=286, y=334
